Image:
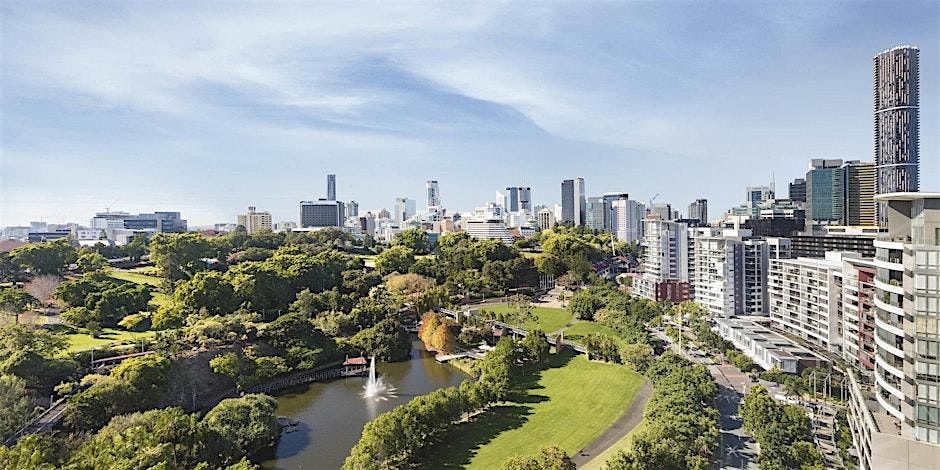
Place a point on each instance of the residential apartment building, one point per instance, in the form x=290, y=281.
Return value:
x=433, y=194
x=859, y=208
x=331, y=187
x=816, y=246
x=255, y=221
x=626, y=219
x=488, y=229
x=805, y=296
x=665, y=248
x=897, y=119
x=858, y=312
x=894, y=419
x=728, y=270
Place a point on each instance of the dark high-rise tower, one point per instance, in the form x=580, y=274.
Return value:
x=331, y=187
x=897, y=119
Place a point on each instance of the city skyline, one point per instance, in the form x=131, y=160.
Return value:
x=223, y=117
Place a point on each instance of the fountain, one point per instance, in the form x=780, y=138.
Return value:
x=375, y=387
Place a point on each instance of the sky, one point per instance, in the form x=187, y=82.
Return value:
x=207, y=108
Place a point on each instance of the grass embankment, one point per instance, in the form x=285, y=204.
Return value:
x=568, y=404
x=137, y=277
x=579, y=330
x=549, y=319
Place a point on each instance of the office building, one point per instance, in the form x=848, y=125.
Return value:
x=488, y=229
x=405, y=209
x=797, y=191
x=519, y=199
x=897, y=119
x=662, y=210
x=433, y=194
x=573, y=202
x=758, y=194
x=321, y=213
x=546, y=219
x=805, y=298
x=352, y=209
x=367, y=224
x=626, y=219
x=698, y=210
x=665, y=251
x=595, y=214
x=331, y=187
x=824, y=192
x=859, y=193
x=255, y=221
x=155, y=222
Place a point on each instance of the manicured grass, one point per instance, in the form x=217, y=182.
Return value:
x=148, y=270
x=568, y=404
x=137, y=277
x=581, y=329
x=549, y=319
x=599, y=462
x=80, y=340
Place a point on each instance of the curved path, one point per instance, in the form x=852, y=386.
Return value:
x=624, y=424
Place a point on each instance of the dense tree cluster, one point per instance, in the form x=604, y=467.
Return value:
x=782, y=431
x=45, y=258
x=229, y=434
x=395, y=438
x=571, y=251
x=35, y=356
x=466, y=265
x=133, y=385
x=95, y=298
x=682, y=427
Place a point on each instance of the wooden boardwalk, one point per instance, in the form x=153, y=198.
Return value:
x=308, y=377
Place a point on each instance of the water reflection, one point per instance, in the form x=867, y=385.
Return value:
x=331, y=415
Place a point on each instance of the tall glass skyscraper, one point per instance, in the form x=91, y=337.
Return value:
x=897, y=119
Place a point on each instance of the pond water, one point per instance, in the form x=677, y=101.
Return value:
x=331, y=414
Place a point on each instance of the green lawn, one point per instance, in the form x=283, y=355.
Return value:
x=581, y=329
x=80, y=340
x=148, y=270
x=549, y=319
x=598, y=462
x=137, y=277
x=568, y=405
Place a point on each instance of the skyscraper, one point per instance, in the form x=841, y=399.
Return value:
x=572, y=201
x=897, y=119
x=798, y=190
x=519, y=199
x=512, y=199
x=698, y=210
x=352, y=209
x=404, y=209
x=859, y=188
x=434, y=194
x=595, y=214
x=825, y=192
x=331, y=187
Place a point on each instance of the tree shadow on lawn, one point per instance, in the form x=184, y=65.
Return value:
x=458, y=446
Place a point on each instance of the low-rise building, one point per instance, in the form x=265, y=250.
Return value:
x=765, y=347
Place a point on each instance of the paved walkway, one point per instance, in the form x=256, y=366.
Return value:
x=624, y=424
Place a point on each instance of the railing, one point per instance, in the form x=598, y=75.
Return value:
x=37, y=424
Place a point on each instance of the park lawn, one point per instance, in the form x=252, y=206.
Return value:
x=147, y=270
x=579, y=330
x=599, y=462
x=137, y=278
x=550, y=319
x=568, y=405
x=80, y=340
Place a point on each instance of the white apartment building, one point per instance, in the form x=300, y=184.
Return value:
x=546, y=219
x=255, y=221
x=728, y=271
x=665, y=248
x=804, y=296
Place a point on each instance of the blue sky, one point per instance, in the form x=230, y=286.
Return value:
x=208, y=108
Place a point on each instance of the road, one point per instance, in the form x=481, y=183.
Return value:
x=737, y=450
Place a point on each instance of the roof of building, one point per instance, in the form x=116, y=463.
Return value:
x=906, y=196
x=355, y=361
x=10, y=245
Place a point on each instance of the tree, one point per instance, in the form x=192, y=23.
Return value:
x=207, y=291
x=15, y=301
x=178, y=256
x=443, y=340
x=46, y=258
x=394, y=259
x=33, y=452
x=584, y=304
x=387, y=341
x=637, y=355
x=547, y=458
x=91, y=261
x=112, y=305
x=415, y=239
x=535, y=347
x=15, y=405
x=43, y=287
x=248, y=423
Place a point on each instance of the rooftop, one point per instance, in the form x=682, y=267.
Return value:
x=906, y=196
